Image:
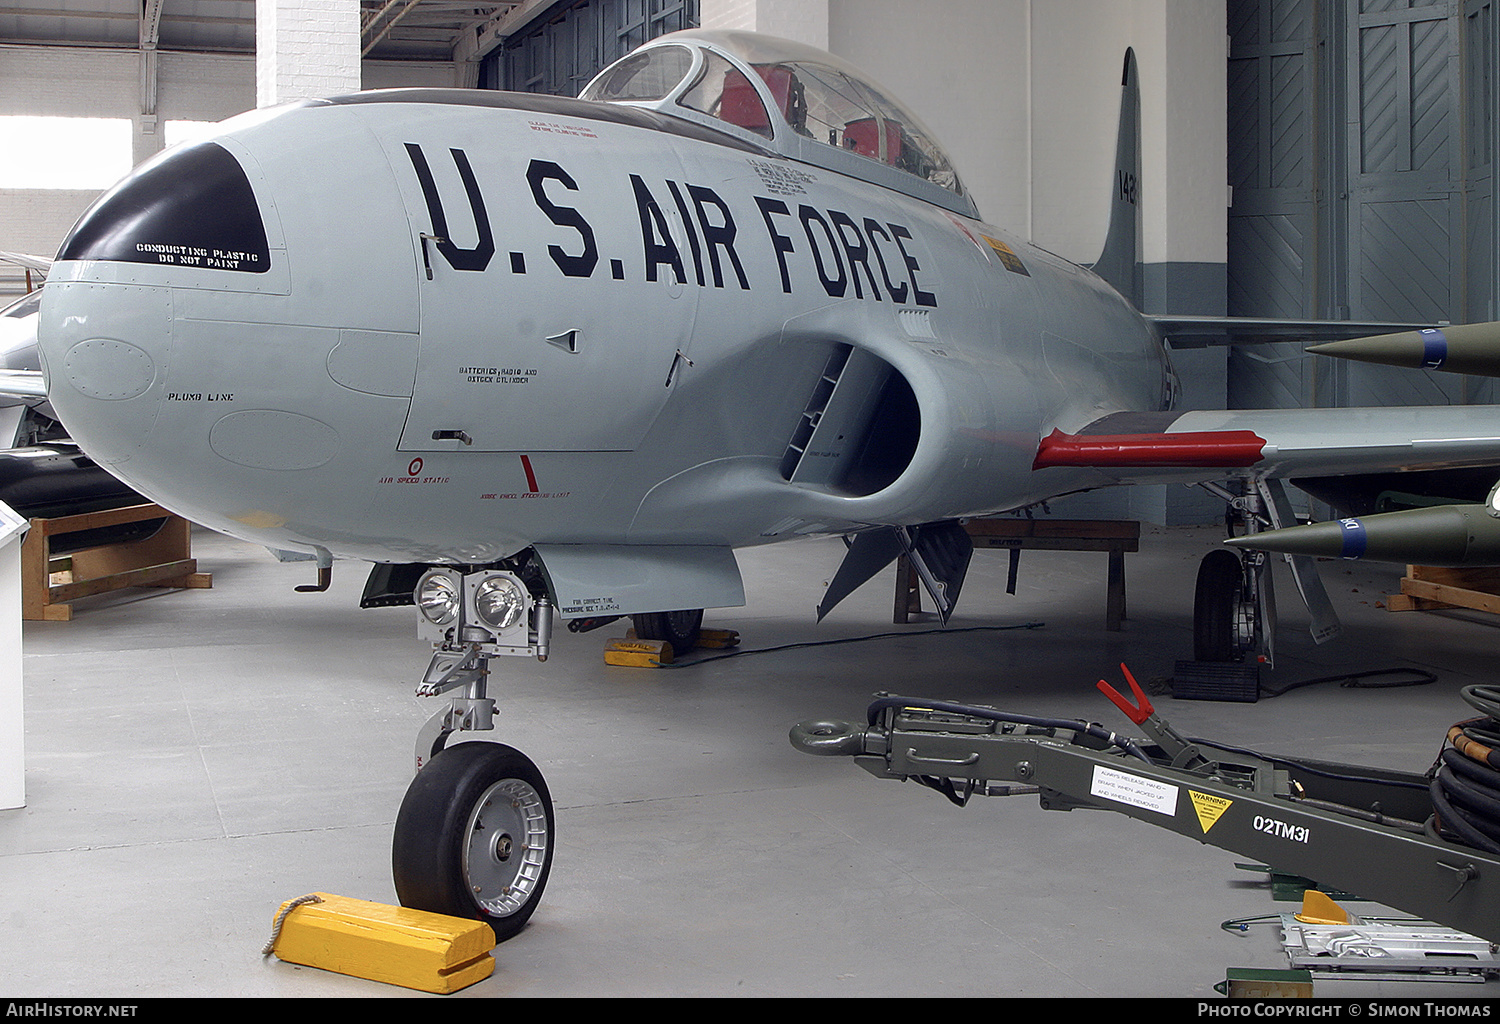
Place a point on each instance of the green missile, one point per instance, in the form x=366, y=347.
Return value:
x=1459, y=348
x=1444, y=535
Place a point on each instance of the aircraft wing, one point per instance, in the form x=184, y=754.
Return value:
x=41, y=264
x=1280, y=443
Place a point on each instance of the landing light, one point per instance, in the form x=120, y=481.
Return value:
x=499, y=602
x=438, y=597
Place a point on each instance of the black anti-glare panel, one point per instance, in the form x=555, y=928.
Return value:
x=193, y=208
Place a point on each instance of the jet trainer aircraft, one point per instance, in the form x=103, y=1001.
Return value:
x=573, y=353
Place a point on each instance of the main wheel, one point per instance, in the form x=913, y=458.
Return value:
x=680, y=629
x=474, y=837
x=1219, y=608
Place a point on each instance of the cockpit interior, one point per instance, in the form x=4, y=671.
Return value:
x=799, y=102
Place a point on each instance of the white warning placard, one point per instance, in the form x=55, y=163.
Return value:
x=1135, y=790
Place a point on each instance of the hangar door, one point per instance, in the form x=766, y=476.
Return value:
x=576, y=40
x=1362, y=150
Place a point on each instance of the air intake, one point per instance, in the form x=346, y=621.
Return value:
x=859, y=429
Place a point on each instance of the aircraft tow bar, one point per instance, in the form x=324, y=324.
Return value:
x=1382, y=834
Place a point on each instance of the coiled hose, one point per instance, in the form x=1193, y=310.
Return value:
x=1465, y=780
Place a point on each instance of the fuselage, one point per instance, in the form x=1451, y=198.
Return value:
x=447, y=325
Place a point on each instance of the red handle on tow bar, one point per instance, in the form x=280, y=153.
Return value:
x=1137, y=712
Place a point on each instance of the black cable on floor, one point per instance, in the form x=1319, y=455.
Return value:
x=1353, y=680
x=848, y=640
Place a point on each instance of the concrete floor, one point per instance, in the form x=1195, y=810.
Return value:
x=197, y=757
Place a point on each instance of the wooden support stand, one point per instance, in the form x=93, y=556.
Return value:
x=160, y=560
x=1112, y=536
x=1427, y=588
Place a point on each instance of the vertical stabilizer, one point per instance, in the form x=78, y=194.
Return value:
x=1120, y=262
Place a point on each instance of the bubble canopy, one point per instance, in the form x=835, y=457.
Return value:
x=795, y=100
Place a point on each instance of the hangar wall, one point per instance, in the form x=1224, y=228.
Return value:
x=304, y=49
x=64, y=81
x=571, y=41
x=1362, y=155
x=87, y=82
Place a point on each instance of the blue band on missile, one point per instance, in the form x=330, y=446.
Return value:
x=1434, y=348
x=1354, y=537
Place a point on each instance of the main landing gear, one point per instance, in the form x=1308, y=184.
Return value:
x=1226, y=620
x=680, y=629
x=475, y=834
x=1234, y=603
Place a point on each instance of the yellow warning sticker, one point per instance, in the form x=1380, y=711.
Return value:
x=1210, y=808
x=1007, y=255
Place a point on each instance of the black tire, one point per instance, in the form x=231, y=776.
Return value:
x=1216, y=604
x=680, y=629
x=454, y=837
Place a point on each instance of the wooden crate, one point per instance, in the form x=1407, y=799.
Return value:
x=1427, y=588
x=49, y=585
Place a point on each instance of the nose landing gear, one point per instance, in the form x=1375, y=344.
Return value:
x=475, y=834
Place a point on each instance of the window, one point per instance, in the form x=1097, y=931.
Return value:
x=643, y=76
x=724, y=92
x=63, y=152
x=828, y=106
x=187, y=131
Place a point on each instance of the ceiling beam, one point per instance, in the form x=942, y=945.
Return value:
x=150, y=23
x=150, y=35
x=54, y=14
x=492, y=35
x=372, y=18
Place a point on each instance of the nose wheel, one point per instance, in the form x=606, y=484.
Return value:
x=474, y=837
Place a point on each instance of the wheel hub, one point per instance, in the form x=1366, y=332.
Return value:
x=507, y=846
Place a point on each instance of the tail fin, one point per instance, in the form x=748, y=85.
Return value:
x=1120, y=262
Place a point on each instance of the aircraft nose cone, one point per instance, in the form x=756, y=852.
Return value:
x=105, y=347
x=182, y=224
